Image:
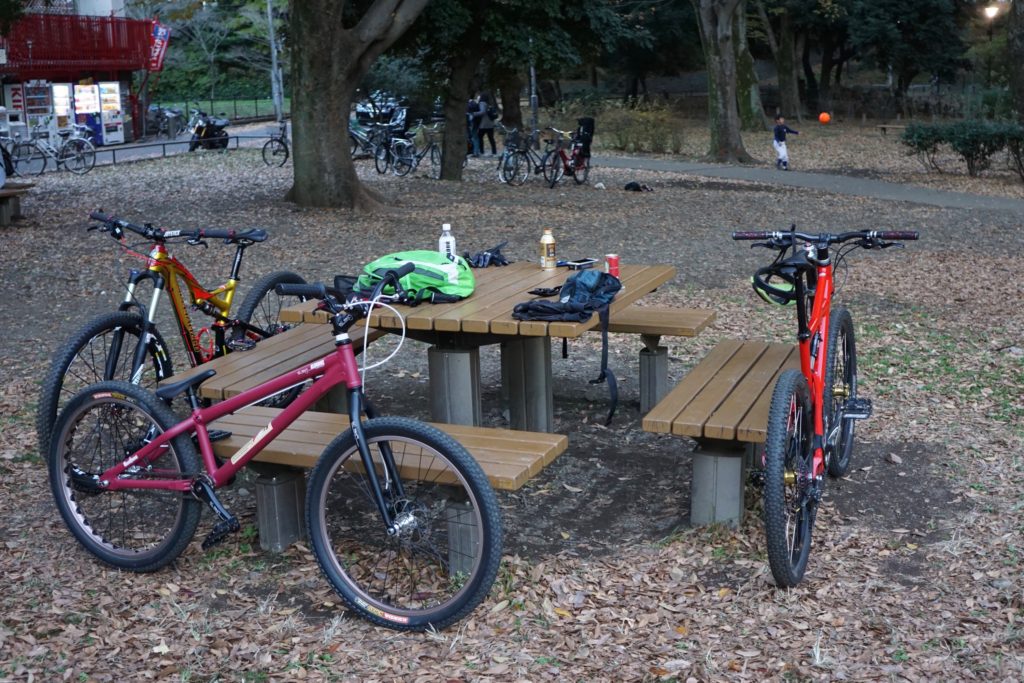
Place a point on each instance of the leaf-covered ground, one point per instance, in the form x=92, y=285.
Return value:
x=916, y=569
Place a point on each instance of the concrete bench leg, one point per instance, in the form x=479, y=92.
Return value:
x=6, y=212
x=653, y=373
x=280, y=506
x=455, y=385
x=461, y=537
x=334, y=401
x=716, y=494
x=526, y=367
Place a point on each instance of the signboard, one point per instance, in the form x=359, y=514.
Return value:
x=158, y=46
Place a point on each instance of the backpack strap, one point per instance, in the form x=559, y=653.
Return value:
x=606, y=372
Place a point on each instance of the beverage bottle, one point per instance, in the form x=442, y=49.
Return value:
x=446, y=243
x=547, y=250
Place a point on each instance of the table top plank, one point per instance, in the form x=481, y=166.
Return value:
x=637, y=282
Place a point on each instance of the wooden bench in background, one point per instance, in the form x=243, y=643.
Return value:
x=885, y=127
x=723, y=404
x=10, y=201
x=652, y=323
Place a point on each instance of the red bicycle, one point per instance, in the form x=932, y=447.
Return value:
x=557, y=162
x=402, y=520
x=814, y=409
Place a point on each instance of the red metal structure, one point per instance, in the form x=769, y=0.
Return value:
x=54, y=47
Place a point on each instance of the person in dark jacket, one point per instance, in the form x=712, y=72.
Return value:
x=779, y=142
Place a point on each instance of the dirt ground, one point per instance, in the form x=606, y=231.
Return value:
x=915, y=573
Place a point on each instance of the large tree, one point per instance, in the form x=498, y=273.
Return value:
x=333, y=45
x=717, y=19
x=777, y=22
x=1015, y=46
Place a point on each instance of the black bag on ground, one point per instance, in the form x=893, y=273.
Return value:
x=583, y=294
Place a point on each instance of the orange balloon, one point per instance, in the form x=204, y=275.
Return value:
x=824, y=117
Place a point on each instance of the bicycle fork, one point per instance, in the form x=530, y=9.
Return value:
x=391, y=488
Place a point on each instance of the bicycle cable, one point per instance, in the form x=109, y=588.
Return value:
x=366, y=346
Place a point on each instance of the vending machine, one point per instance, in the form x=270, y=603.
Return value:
x=111, y=113
x=38, y=104
x=87, y=110
x=63, y=105
x=14, y=99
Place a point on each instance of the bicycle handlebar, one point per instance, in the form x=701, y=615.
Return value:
x=785, y=238
x=333, y=297
x=161, y=235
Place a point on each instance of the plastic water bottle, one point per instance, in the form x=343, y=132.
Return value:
x=446, y=244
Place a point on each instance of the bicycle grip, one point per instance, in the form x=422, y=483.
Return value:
x=898, y=235
x=313, y=291
x=98, y=215
x=403, y=270
x=751, y=235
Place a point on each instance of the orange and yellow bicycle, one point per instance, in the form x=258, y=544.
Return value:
x=127, y=345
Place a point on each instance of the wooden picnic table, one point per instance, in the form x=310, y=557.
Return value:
x=456, y=332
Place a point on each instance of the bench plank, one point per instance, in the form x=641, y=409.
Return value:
x=509, y=458
x=661, y=320
x=690, y=421
x=724, y=422
x=754, y=427
x=660, y=419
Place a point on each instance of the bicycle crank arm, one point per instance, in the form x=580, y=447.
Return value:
x=857, y=409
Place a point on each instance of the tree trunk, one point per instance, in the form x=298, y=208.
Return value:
x=510, y=82
x=828, y=63
x=328, y=62
x=1015, y=47
x=716, y=32
x=811, y=90
x=463, y=68
x=785, y=62
x=748, y=87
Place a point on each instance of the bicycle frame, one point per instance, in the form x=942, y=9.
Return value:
x=812, y=335
x=338, y=367
x=164, y=271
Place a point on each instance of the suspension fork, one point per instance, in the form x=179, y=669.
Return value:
x=357, y=405
x=148, y=325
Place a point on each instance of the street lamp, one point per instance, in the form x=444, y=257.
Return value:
x=991, y=12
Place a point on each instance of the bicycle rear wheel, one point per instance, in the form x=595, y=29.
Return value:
x=382, y=158
x=435, y=161
x=275, y=152
x=404, y=155
x=582, y=170
x=28, y=159
x=140, y=530
x=78, y=156
x=789, y=498
x=443, y=558
x=840, y=387
x=102, y=349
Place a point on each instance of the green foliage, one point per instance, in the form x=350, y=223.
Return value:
x=976, y=142
x=646, y=128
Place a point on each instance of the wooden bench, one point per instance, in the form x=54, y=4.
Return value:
x=885, y=127
x=508, y=458
x=723, y=404
x=10, y=201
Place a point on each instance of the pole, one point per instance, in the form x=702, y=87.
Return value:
x=533, y=91
x=275, y=68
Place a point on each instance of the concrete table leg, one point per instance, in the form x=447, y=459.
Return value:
x=653, y=373
x=526, y=366
x=716, y=493
x=280, y=506
x=455, y=385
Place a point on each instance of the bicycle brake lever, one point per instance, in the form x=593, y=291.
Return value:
x=195, y=241
x=766, y=245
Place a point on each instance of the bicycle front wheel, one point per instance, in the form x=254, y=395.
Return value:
x=789, y=505
x=140, y=530
x=441, y=559
x=840, y=387
x=516, y=168
x=28, y=159
x=275, y=152
x=382, y=159
x=552, y=165
x=262, y=304
x=102, y=349
x=78, y=156
x=405, y=160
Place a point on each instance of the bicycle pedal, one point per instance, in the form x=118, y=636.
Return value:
x=857, y=409
x=241, y=344
x=221, y=530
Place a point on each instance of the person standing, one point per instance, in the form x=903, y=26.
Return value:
x=473, y=124
x=779, y=142
x=486, y=122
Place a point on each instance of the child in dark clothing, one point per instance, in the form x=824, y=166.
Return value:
x=779, y=142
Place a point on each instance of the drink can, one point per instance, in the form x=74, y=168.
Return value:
x=611, y=264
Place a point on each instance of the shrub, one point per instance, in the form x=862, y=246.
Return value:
x=924, y=139
x=1015, y=147
x=976, y=142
